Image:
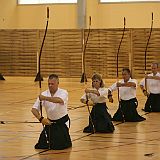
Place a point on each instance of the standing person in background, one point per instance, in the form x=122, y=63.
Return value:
x=127, y=110
x=150, y=86
x=55, y=134
x=100, y=119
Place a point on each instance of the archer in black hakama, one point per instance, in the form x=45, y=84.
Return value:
x=153, y=103
x=101, y=120
x=55, y=134
x=57, y=137
x=127, y=111
x=150, y=85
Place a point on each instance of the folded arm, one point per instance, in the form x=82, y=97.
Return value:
x=92, y=91
x=51, y=99
x=126, y=84
x=153, y=77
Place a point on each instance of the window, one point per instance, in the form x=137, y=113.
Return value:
x=45, y=1
x=121, y=1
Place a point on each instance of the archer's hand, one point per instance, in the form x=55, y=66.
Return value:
x=119, y=84
x=90, y=103
x=145, y=93
x=110, y=99
x=148, y=77
x=46, y=121
x=87, y=90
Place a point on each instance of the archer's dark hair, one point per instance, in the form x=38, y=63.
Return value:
x=127, y=70
x=53, y=76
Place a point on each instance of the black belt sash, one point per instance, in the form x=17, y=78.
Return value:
x=154, y=93
x=128, y=100
x=62, y=120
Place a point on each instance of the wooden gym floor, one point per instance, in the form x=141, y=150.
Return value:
x=19, y=130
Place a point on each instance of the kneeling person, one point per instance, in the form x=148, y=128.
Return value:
x=55, y=134
x=99, y=118
x=127, y=110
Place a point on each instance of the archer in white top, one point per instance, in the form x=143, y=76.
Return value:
x=55, y=134
x=150, y=86
x=54, y=110
x=99, y=118
x=127, y=98
x=97, y=98
x=127, y=88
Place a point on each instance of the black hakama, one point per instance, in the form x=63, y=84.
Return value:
x=57, y=135
x=127, y=111
x=153, y=103
x=101, y=120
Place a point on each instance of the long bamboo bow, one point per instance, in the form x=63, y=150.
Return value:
x=84, y=77
x=124, y=28
x=145, y=56
x=39, y=77
x=90, y=117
